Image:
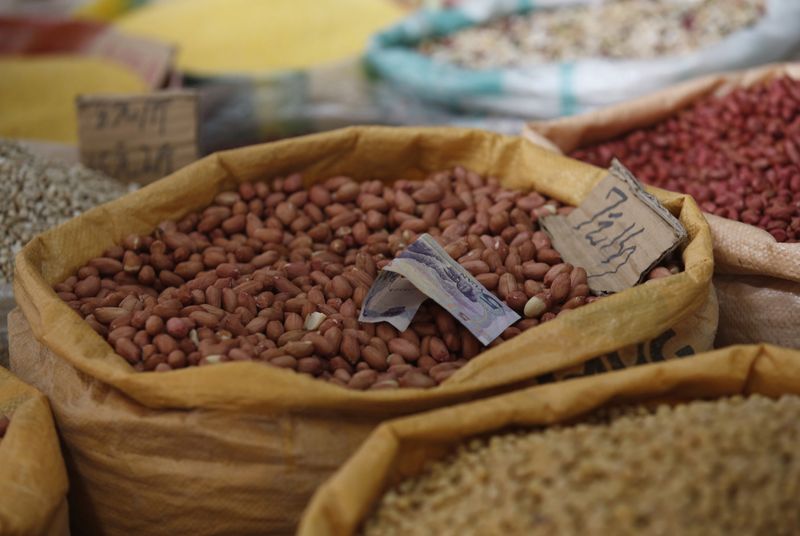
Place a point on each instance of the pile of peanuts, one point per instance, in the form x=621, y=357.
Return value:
x=4, y=423
x=611, y=29
x=277, y=273
x=728, y=466
x=737, y=155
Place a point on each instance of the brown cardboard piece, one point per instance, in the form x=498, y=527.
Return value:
x=618, y=233
x=138, y=137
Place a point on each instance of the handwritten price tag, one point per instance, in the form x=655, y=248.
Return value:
x=138, y=137
x=618, y=234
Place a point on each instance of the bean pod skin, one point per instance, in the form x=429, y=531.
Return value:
x=276, y=272
x=737, y=155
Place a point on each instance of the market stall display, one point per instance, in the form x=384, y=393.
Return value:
x=303, y=427
x=386, y=330
x=730, y=141
x=659, y=448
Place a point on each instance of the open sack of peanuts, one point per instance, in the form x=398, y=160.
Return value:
x=203, y=332
x=706, y=445
x=33, y=481
x=732, y=142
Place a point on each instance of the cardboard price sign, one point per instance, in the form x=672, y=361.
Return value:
x=618, y=234
x=138, y=137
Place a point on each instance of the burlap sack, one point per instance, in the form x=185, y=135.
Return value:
x=239, y=448
x=33, y=481
x=400, y=448
x=738, y=248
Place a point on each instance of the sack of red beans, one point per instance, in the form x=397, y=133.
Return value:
x=732, y=142
x=198, y=339
x=33, y=480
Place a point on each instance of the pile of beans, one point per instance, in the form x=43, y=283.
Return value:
x=4, y=422
x=729, y=466
x=618, y=29
x=277, y=273
x=737, y=155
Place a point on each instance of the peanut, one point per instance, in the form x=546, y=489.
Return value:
x=278, y=275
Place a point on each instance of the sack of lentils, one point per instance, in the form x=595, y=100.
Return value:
x=705, y=445
x=733, y=143
x=33, y=481
x=198, y=338
x=540, y=60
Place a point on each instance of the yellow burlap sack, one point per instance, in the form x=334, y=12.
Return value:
x=33, y=481
x=400, y=448
x=239, y=448
x=751, y=309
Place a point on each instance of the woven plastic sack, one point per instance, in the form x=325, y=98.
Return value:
x=239, y=448
x=553, y=89
x=400, y=448
x=33, y=481
x=764, y=308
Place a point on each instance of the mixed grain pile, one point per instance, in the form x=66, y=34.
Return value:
x=623, y=29
x=730, y=466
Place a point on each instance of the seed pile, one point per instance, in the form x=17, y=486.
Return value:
x=729, y=466
x=737, y=155
x=617, y=29
x=37, y=194
x=277, y=273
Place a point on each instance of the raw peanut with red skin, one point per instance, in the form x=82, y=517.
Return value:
x=560, y=287
x=517, y=300
x=278, y=274
x=555, y=271
x=363, y=379
x=406, y=349
x=736, y=154
x=375, y=357
x=287, y=361
x=299, y=349
x=87, y=287
x=416, y=379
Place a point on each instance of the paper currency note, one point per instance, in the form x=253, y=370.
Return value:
x=428, y=267
x=393, y=299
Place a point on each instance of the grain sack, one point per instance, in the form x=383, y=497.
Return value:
x=401, y=448
x=240, y=447
x=243, y=37
x=33, y=482
x=595, y=69
x=763, y=308
x=37, y=93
